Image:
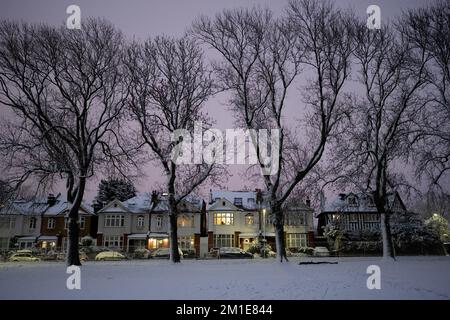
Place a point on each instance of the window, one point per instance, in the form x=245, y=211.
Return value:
x=51, y=222
x=251, y=202
x=32, y=223
x=186, y=242
x=295, y=218
x=249, y=219
x=238, y=201
x=185, y=221
x=140, y=222
x=296, y=240
x=4, y=243
x=7, y=222
x=113, y=241
x=223, y=240
x=159, y=220
x=223, y=218
x=371, y=201
x=114, y=221
x=352, y=201
x=82, y=222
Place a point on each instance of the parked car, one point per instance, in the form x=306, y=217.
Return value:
x=23, y=257
x=188, y=254
x=164, y=253
x=109, y=255
x=321, y=252
x=234, y=253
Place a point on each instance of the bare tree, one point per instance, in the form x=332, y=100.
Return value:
x=382, y=120
x=428, y=30
x=169, y=86
x=65, y=90
x=262, y=57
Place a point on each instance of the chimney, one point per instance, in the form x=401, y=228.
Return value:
x=51, y=199
x=258, y=195
x=154, y=197
x=97, y=206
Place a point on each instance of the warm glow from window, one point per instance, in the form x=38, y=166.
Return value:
x=223, y=218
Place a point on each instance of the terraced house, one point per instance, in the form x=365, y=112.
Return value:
x=355, y=212
x=238, y=218
x=41, y=223
x=143, y=222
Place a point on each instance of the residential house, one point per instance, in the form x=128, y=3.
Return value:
x=55, y=223
x=39, y=222
x=20, y=223
x=355, y=212
x=239, y=218
x=143, y=222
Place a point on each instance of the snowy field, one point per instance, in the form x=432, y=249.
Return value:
x=408, y=278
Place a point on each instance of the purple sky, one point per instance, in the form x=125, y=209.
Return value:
x=143, y=19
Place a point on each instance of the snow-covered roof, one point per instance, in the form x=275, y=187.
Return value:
x=142, y=203
x=242, y=199
x=40, y=205
x=354, y=202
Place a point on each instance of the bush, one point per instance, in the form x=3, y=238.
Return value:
x=87, y=241
x=141, y=253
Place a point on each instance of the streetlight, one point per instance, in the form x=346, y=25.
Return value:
x=264, y=228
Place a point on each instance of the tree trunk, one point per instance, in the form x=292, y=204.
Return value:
x=73, y=257
x=173, y=210
x=279, y=233
x=174, y=254
x=388, y=245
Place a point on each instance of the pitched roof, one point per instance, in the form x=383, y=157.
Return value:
x=363, y=203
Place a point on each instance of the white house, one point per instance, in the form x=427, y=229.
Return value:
x=143, y=222
x=237, y=218
x=21, y=221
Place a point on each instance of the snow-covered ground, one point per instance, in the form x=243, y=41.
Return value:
x=407, y=278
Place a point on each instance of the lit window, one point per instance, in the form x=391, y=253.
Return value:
x=296, y=240
x=184, y=221
x=249, y=219
x=223, y=218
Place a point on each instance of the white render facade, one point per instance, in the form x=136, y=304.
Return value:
x=136, y=223
x=239, y=218
x=21, y=221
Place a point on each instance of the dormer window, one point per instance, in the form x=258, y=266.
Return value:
x=352, y=201
x=370, y=201
x=238, y=201
x=251, y=201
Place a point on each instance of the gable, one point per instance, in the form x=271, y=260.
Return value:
x=113, y=206
x=223, y=204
